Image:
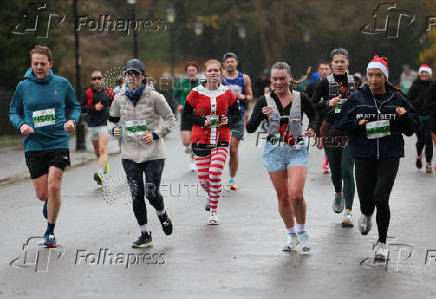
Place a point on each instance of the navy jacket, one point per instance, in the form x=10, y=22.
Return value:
x=362, y=105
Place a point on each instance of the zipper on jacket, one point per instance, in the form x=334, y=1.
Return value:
x=378, y=117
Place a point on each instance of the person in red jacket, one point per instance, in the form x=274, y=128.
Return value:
x=211, y=131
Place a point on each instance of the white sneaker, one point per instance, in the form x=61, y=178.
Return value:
x=381, y=252
x=193, y=167
x=365, y=224
x=291, y=245
x=213, y=219
x=304, y=240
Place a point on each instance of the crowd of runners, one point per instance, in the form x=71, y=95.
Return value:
x=357, y=120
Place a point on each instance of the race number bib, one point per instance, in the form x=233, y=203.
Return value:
x=338, y=106
x=378, y=129
x=214, y=120
x=44, y=118
x=136, y=127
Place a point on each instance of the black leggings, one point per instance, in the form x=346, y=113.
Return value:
x=424, y=139
x=153, y=174
x=374, y=182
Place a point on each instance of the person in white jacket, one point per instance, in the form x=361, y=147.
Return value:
x=147, y=118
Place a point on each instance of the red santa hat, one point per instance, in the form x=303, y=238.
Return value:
x=425, y=68
x=380, y=63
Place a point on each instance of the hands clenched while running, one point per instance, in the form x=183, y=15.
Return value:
x=147, y=138
x=267, y=110
x=26, y=129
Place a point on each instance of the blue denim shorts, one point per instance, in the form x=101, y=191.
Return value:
x=278, y=157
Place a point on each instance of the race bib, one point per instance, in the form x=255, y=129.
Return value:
x=214, y=120
x=338, y=106
x=136, y=127
x=42, y=118
x=378, y=129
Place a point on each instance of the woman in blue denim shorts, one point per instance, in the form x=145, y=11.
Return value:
x=285, y=154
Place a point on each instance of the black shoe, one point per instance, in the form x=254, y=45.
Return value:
x=167, y=223
x=418, y=163
x=143, y=241
x=98, y=178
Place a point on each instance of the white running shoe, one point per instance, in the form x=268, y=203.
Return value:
x=381, y=252
x=213, y=219
x=365, y=224
x=291, y=245
x=304, y=240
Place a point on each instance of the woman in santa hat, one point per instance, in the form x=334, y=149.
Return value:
x=417, y=96
x=375, y=117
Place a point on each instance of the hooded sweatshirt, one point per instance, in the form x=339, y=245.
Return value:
x=45, y=105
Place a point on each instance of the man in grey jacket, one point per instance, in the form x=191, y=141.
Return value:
x=147, y=118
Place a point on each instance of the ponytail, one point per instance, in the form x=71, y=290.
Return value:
x=302, y=79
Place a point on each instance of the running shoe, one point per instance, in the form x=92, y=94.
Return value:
x=207, y=204
x=428, y=168
x=213, y=219
x=232, y=185
x=291, y=245
x=49, y=241
x=98, y=178
x=419, y=163
x=304, y=240
x=167, y=223
x=338, y=204
x=381, y=252
x=143, y=241
x=365, y=224
x=326, y=168
x=106, y=169
x=347, y=220
x=44, y=209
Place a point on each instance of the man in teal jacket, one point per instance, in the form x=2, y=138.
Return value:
x=38, y=110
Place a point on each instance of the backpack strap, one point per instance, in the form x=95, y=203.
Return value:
x=333, y=88
x=270, y=102
x=351, y=84
x=110, y=93
x=296, y=105
x=89, y=96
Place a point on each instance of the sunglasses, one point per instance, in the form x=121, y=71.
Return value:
x=96, y=78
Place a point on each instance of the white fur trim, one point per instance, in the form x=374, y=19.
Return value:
x=380, y=66
x=425, y=69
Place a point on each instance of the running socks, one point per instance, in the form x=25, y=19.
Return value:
x=160, y=213
x=145, y=228
x=299, y=228
x=292, y=230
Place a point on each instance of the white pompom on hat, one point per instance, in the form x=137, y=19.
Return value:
x=380, y=63
x=425, y=68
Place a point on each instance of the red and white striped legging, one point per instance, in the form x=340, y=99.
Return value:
x=210, y=169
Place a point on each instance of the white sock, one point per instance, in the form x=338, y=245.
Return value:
x=144, y=228
x=160, y=213
x=292, y=231
x=300, y=227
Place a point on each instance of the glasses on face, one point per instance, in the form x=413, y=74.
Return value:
x=95, y=78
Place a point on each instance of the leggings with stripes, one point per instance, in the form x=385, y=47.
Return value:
x=210, y=164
